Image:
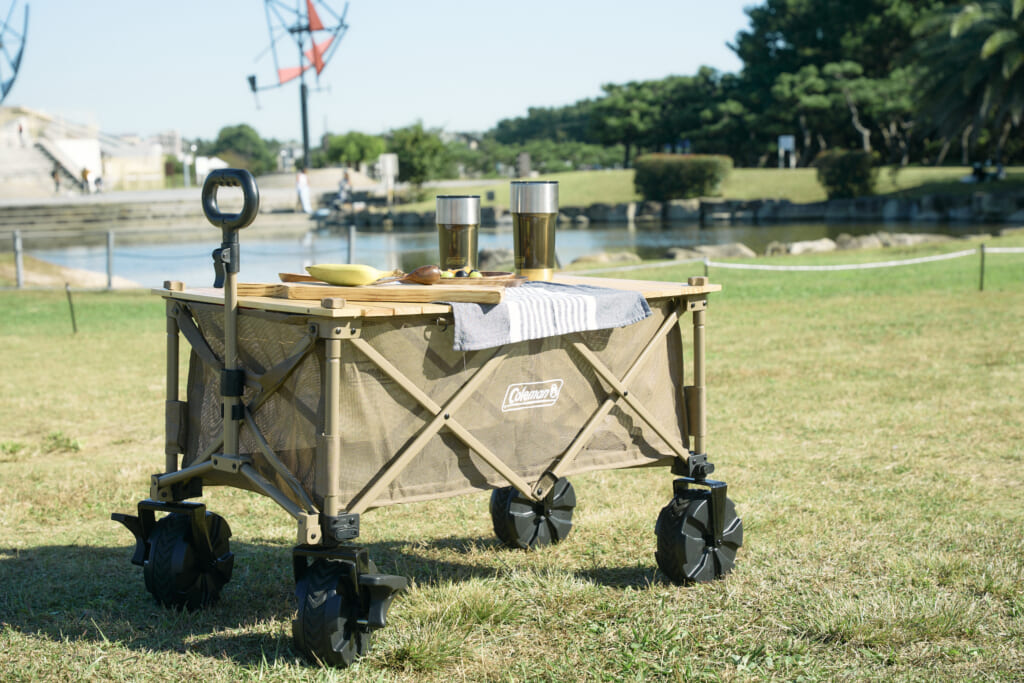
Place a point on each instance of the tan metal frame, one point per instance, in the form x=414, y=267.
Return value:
x=328, y=467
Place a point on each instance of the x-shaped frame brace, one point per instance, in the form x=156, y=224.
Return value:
x=444, y=417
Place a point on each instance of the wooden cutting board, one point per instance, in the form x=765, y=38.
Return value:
x=480, y=294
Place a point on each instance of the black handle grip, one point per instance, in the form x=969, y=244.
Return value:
x=231, y=177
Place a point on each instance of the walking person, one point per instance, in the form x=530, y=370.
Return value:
x=302, y=188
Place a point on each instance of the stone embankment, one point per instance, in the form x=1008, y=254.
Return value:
x=978, y=207
x=160, y=215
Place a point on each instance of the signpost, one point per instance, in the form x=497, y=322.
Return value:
x=387, y=164
x=787, y=143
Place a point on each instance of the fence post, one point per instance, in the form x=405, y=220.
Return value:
x=981, y=277
x=19, y=266
x=71, y=306
x=110, y=259
x=351, y=243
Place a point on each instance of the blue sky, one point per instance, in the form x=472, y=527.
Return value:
x=144, y=67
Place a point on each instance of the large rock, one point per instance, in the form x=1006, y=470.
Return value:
x=910, y=239
x=845, y=241
x=733, y=250
x=683, y=210
x=899, y=210
x=770, y=209
x=408, y=219
x=715, y=210
x=496, y=259
x=682, y=254
x=606, y=213
x=608, y=257
x=819, y=246
x=815, y=211
x=599, y=213
x=649, y=211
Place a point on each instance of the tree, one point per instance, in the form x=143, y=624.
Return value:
x=973, y=58
x=354, y=148
x=561, y=124
x=242, y=147
x=863, y=40
x=626, y=115
x=805, y=95
x=421, y=154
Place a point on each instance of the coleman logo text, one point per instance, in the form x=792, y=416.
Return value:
x=531, y=395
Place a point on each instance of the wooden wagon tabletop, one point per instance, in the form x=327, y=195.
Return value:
x=353, y=302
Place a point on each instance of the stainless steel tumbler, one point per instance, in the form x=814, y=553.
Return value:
x=458, y=218
x=534, y=205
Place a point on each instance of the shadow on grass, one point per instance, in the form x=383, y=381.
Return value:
x=94, y=594
x=431, y=562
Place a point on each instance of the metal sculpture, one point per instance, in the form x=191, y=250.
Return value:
x=316, y=40
x=12, y=47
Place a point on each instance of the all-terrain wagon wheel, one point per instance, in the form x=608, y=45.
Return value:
x=327, y=627
x=521, y=523
x=687, y=550
x=179, y=572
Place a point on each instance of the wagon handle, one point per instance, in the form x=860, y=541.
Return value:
x=231, y=177
x=226, y=263
x=226, y=258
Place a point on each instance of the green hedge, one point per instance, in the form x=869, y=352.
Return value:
x=846, y=174
x=660, y=177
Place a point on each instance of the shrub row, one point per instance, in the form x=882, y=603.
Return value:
x=846, y=174
x=661, y=177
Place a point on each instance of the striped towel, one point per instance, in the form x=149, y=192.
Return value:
x=544, y=309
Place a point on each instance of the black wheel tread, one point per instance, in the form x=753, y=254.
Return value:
x=325, y=627
x=172, y=571
x=684, y=552
x=520, y=523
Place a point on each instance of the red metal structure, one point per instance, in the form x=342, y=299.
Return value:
x=12, y=48
x=316, y=30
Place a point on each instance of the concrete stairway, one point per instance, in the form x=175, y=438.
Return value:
x=135, y=217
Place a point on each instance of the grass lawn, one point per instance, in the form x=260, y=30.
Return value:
x=583, y=188
x=869, y=425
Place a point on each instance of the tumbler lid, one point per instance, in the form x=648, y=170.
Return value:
x=458, y=209
x=534, y=196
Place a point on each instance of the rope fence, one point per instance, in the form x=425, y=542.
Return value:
x=848, y=266
x=982, y=250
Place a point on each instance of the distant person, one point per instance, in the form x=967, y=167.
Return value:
x=99, y=183
x=302, y=188
x=55, y=174
x=344, y=190
x=85, y=181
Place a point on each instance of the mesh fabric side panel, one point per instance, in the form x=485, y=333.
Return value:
x=379, y=418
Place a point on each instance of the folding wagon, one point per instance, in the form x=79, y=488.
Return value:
x=333, y=406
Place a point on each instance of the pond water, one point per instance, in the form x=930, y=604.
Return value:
x=262, y=260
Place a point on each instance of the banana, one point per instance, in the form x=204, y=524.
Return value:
x=350, y=274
